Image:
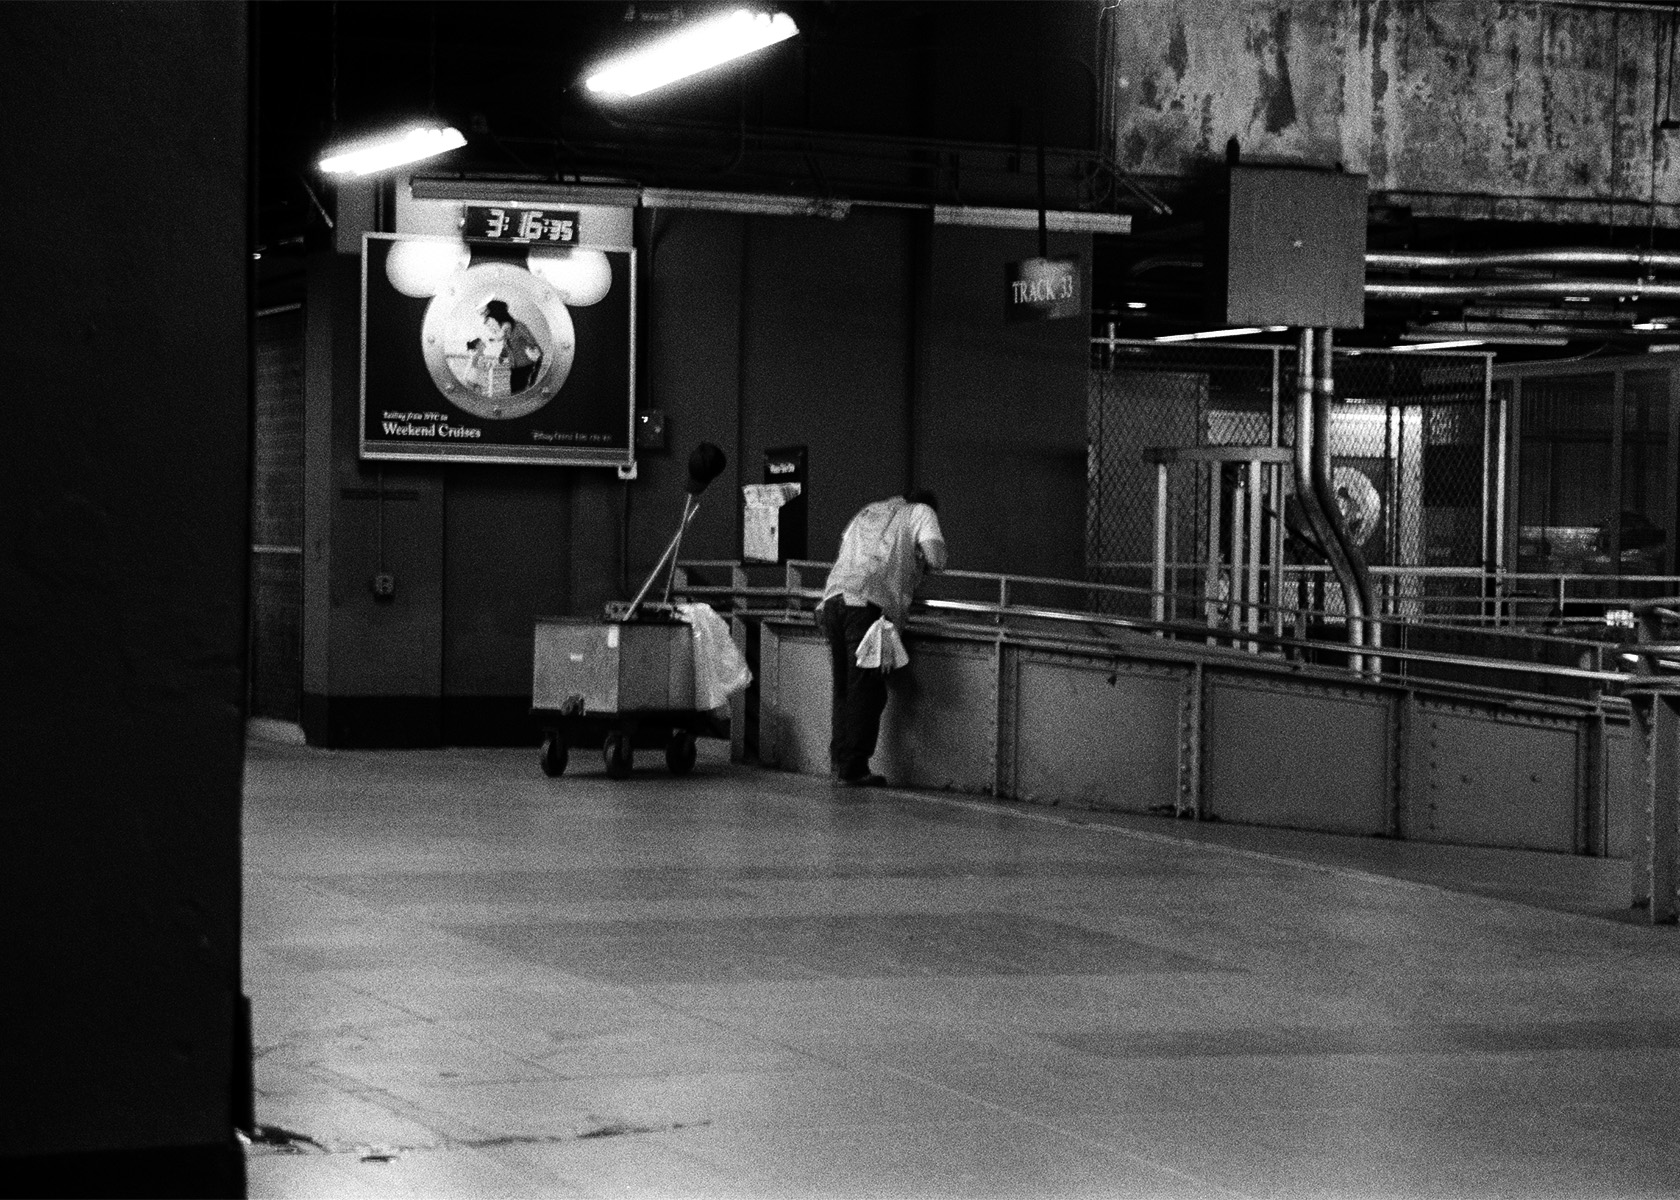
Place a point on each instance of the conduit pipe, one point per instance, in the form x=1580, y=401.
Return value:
x=1311, y=443
x=1576, y=256
x=1590, y=288
x=1356, y=579
x=1406, y=260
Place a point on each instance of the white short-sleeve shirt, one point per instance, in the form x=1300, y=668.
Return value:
x=884, y=552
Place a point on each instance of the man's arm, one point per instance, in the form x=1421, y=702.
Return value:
x=930, y=540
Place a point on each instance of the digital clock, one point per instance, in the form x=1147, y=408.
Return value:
x=520, y=226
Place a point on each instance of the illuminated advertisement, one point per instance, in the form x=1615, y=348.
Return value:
x=499, y=348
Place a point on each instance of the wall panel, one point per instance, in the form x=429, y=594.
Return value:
x=1486, y=778
x=1096, y=734
x=1275, y=749
x=1001, y=411
x=1279, y=752
x=937, y=730
x=277, y=493
x=794, y=699
x=826, y=358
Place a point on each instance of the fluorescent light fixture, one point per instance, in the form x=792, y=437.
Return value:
x=394, y=150
x=1650, y=326
x=1055, y=220
x=756, y=203
x=1136, y=304
x=701, y=46
x=1460, y=344
x=1221, y=333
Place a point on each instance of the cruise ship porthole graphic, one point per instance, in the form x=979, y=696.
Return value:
x=498, y=341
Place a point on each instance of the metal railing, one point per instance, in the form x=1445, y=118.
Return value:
x=1521, y=599
x=1481, y=660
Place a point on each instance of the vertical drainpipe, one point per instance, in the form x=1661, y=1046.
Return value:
x=1312, y=463
x=1363, y=629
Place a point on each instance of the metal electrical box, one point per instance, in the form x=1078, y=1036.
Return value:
x=1292, y=251
x=611, y=667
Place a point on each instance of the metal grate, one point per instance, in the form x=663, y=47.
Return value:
x=1409, y=446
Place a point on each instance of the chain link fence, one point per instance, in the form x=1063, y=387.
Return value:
x=1409, y=442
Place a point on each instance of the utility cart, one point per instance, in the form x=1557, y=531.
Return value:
x=619, y=686
x=625, y=682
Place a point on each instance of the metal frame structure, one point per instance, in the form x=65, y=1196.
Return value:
x=1514, y=378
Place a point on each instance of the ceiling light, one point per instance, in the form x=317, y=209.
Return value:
x=1055, y=221
x=1221, y=333
x=392, y=150
x=1650, y=326
x=1136, y=304
x=699, y=47
x=1455, y=345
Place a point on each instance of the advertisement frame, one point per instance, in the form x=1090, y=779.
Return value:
x=623, y=458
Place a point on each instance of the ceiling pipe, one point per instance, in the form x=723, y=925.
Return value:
x=1590, y=288
x=1577, y=256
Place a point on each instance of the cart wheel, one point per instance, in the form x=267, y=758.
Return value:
x=616, y=752
x=553, y=754
x=680, y=752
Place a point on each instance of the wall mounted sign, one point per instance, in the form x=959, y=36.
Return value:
x=497, y=353
x=519, y=226
x=787, y=468
x=1042, y=289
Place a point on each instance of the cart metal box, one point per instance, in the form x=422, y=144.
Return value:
x=612, y=667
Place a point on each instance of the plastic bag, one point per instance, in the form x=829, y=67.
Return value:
x=719, y=669
x=881, y=648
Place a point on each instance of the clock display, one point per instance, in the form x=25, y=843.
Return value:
x=520, y=226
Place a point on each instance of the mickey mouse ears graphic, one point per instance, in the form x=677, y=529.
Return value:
x=422, y=267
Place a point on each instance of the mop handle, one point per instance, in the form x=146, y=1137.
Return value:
x=690, y=504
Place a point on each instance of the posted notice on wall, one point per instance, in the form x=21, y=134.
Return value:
x=761, y=520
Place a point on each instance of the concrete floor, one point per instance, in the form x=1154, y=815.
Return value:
x=471, y=980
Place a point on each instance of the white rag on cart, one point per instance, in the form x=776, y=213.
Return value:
x=881, y=648
x=719, y=669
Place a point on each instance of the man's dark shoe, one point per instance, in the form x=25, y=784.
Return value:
x=870, y=780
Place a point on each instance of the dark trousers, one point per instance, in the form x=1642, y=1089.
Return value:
x=860, y=694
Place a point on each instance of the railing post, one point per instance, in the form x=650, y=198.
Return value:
x=1210, y=575
x=1251, y=585
x=1158, y=604
x=1189, y=802
x=792, y=584
x=1235, y=612
x=1656, y=827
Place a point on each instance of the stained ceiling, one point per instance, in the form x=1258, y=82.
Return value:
x=915, y=102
